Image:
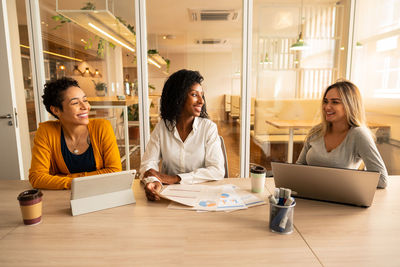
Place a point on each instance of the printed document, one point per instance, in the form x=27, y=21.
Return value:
x=210, y=198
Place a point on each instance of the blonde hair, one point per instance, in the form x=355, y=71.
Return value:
x=353, y=106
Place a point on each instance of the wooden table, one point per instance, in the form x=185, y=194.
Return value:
x=304, y=124
x=342, y=235
x=112, y=102
x=149, y=234
x=291, y=125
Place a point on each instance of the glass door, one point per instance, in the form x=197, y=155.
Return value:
x=94, y=42
x=203, y=36
x=299, y=49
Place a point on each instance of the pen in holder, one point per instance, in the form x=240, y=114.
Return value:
x=281, y=212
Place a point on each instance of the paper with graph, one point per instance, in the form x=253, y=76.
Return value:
x=209, y=198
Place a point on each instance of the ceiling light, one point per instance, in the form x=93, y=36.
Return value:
x=86, y=73
x=76, y=71
x=266, y=60
x=169, y=37
x=55, y=54
x=61, y=67
x=97, y=74
x=299, y=45
x=154, y=63
x=111, y=37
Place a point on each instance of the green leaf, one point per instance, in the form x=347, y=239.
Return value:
x=89, y=6
x=152, y=51
x=56, y=18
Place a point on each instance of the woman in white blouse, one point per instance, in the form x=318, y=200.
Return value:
x=185, y=140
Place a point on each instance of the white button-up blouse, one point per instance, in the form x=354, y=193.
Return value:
x=198, y=159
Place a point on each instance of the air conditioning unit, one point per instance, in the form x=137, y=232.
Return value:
x=211, y=41
x=213, y=15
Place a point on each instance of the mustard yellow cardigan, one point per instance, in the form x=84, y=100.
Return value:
x=48, y=169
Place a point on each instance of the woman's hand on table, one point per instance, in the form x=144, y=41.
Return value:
x=152, y=191
x=164, y=178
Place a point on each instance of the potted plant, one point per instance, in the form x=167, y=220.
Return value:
x=133, y=116
x=133, y=112
x=101, y=88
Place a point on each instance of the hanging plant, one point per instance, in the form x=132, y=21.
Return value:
x=100, y=48
x=168, y=63
x=101, y=43
x=89, y=6
x=152, y=87
x=127, y=25
x=60, y=18
x=155, y=52
x=152, y=52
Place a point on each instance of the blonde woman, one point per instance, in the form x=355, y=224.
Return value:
x=342, y=139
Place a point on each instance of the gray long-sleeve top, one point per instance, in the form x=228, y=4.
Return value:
x=358, y=145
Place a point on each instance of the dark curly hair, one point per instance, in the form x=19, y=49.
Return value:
x=54, y=93
x=175, y=93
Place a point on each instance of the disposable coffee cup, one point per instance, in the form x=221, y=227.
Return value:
x=281, y=218
x=257, y=175
x=30, y=202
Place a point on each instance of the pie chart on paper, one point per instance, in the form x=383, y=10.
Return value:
x=207, y=203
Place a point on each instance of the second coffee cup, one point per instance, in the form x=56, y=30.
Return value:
x=257, y=174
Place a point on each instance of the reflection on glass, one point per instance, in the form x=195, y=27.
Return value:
x=94, y=43
x=290, y=80
x=206, y=38
x=376, y=71
x=26, y=67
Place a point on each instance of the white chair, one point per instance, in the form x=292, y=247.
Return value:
x=225, y=157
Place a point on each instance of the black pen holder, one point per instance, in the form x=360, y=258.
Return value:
x=281, y=218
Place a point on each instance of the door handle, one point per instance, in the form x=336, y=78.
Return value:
x=8, y=116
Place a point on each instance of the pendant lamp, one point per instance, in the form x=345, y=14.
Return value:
x=300, y=45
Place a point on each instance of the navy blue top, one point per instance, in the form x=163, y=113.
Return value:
x=78, y=163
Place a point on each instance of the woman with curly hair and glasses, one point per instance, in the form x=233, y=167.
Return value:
x=185, y=140
x=342, y=139
x=73, y=145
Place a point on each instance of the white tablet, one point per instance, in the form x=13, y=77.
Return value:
x=103, y=191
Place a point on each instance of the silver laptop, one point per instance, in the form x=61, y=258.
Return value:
x=330, y=184
x=103, y=191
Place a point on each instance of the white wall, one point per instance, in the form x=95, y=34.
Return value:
x=216, y=68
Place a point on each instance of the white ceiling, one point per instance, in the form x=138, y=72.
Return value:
x=172, y=17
